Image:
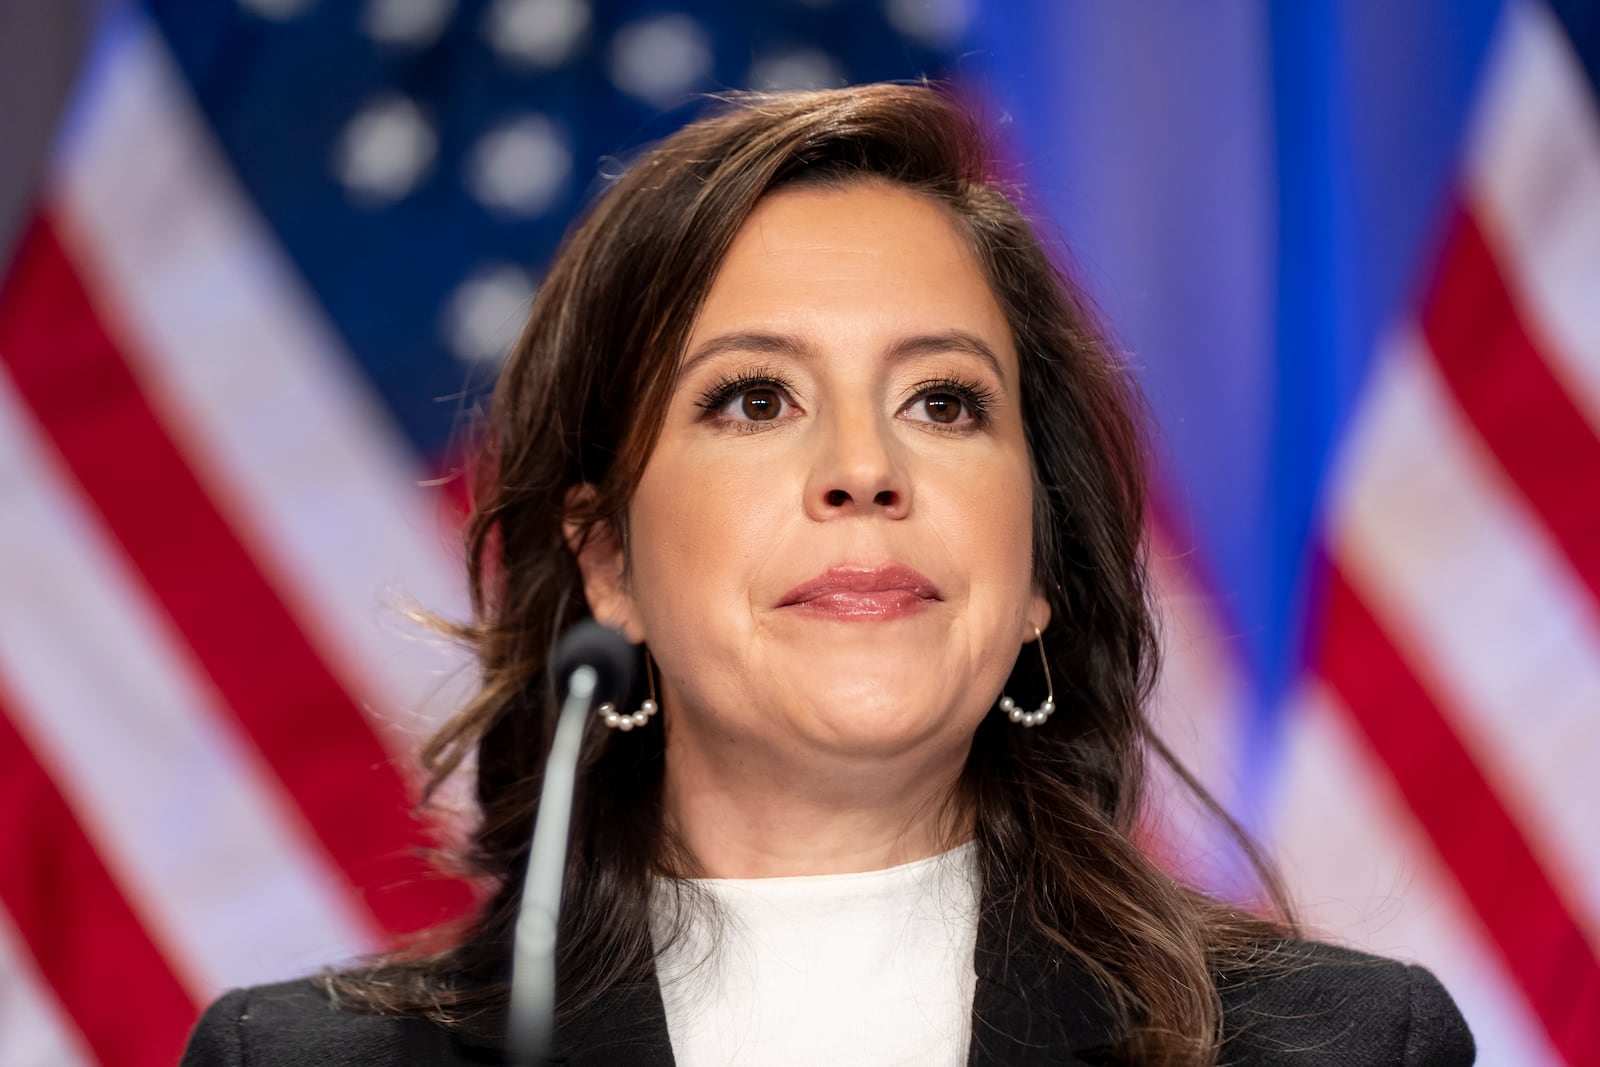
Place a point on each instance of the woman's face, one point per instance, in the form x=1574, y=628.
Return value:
x=830, y=546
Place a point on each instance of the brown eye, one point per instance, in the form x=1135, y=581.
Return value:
x=761, y=405
x=942, y=407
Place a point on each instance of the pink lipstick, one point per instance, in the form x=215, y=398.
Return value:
x=849, y=592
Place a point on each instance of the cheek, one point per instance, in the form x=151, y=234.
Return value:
x=985, y=514
x=699, y=535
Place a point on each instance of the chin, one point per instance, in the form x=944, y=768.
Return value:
x=867, y=694
x=874, y=718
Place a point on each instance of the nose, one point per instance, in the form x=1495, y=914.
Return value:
x=858, y=472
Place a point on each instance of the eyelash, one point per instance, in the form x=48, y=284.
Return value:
x=976, y=397
x=723, y=390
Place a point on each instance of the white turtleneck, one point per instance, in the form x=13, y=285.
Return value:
x=875, y=967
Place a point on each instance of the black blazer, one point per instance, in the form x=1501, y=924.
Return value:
x=1331, y=1007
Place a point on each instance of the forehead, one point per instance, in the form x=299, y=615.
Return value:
x=863, y=256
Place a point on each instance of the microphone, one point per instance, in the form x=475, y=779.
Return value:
x=597, y=646
x=593, y=665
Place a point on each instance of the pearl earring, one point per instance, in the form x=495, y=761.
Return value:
x=1039, y=715
x=625, y=722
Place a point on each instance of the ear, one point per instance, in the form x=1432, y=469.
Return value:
x=1038, y=614
x=603, y=562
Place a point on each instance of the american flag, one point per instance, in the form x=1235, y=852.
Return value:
x=270, y=251
x=1355, y=250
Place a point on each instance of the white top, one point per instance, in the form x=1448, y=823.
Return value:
x=875, y=967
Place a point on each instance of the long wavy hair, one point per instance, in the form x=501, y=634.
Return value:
x=580, y=400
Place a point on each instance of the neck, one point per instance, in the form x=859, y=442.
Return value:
x=767, y=818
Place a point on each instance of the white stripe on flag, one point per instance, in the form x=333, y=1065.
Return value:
x=1364, y=874
x=1534, y=184
x=200, y=838
x=1482, y=605
x=34, y=1028
x=254, y=386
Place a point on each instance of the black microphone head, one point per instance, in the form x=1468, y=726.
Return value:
x=591, y=644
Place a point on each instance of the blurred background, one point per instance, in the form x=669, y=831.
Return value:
x=259, y=258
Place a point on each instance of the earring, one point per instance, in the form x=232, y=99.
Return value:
x=1033, y=718
x=624, y=722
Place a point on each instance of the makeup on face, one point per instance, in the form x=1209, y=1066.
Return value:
x=831, y=542
x=850, y=592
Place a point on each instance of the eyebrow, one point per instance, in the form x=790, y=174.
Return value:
x=783, y=344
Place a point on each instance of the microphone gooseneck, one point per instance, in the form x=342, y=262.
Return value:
x=592, y=665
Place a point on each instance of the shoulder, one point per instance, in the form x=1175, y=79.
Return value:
x=295, y=1023
x=1327, y=1005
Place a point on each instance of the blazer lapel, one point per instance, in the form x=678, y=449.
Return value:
x=1033, y=1004
x=627, y=1025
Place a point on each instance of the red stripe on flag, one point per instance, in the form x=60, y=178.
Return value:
x=1542, y=947
x=89, y=945
x=1494, y=369
x=70, y=373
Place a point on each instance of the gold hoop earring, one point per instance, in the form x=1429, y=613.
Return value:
x=647, y=711
x=1042, y=712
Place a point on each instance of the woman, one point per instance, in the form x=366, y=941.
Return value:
x=804, y=409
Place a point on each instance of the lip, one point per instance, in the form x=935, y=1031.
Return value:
x=852, y=591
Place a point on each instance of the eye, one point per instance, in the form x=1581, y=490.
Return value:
x=945, y=408
x=951, y=404
x=760, y=404
x=748, y=400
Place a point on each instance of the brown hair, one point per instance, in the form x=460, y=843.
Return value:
x=580, y=401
